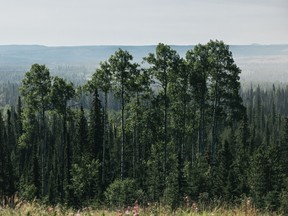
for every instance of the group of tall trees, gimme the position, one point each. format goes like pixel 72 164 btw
pixel 179 128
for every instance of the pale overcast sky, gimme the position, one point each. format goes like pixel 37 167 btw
pixel 139 22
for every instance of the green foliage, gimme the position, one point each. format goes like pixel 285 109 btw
pixel 28 191
pixel 266 177
pixel 2 152
pixel 84 181
pixel 222 180
pixel 81 146
pixel 174 128
pixel 198 177
pixel 101 79
pixel 171 191
pixel 156 179
pixel 123 192
pixel 36 87
pixel 61 93
pixel 283 197
pixel 122 70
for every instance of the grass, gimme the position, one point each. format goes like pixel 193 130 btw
pixel 34 208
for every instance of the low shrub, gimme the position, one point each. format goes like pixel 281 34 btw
pixel 123 193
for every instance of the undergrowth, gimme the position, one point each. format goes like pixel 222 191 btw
pixel 246 208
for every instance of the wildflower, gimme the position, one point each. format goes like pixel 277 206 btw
pixel 50 210
pixel 119 213
pixel 78 213
pixel 187 200
pixel 248 202
pixel 127 212
pixel 194 207
pixel 136 208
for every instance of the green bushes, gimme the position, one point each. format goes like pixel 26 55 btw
pixel 84 182
pixel 123 192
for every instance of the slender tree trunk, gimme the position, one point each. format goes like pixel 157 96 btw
pixel 201 135
pixel 69 155
pixel 123 129
pixel 201 130
pixel 183 137
pixel 63 155
pixel 135 139
pixel 2 158
pixel 214 126
pixel 43 153
pixel 165 129
pixel 104 138
pixel 137 132
pixel 133 154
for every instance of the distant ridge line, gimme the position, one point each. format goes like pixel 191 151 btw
pixel 26 55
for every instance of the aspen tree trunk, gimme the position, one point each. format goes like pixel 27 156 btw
pixel 63 154
pixel 214 126
pixel 43 155
pixel 104 138
pixel 165 128
pixel 123 129
pixel 201 133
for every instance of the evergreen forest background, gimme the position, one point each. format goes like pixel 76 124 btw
pixel 157 130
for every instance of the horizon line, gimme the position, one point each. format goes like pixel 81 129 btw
pixel 137 45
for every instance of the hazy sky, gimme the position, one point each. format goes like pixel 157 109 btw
pixel 139 22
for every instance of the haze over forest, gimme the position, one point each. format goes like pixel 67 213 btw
pixel 258 62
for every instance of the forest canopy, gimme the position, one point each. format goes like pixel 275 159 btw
pixel 159 131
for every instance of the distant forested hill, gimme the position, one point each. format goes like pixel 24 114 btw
pixel 258 62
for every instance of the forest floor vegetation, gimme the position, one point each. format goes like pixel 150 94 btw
pixel 36 208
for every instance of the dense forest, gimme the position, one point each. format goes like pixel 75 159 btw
pixel 159 131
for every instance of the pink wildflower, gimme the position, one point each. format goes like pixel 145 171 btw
pixel 128 210
pixel 78 213
pixel 119 213
pixel 136 208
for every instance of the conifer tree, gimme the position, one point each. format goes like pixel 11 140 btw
pixel 101 80
pixel 81 145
